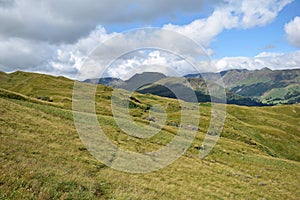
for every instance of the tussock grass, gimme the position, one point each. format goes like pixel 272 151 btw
pixel 42 156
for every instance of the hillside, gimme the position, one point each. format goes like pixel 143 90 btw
pixel 268 86
pixel 244 87
pixel 166 87
pixel 42 156
pixel 109 81
pixel 39 86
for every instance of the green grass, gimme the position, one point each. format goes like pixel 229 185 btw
pixel 278 95
pixel 42 156
pixel 253 80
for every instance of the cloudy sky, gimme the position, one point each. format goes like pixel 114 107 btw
pixel 57 37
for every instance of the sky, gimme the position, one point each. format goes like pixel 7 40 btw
pixel 60 37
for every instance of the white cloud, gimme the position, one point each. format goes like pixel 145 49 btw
pixel 134 48
pixel 148 61
pixel 16 53
pixel 292 30
pixel 204 31
pixel 63 59
pixel 265 59
pixel 59 40
pixel 232 14
pixel 157 61
pixel 153 61
pixel 70 57
pixel 259 13
pixel 66 21
pixel 268 55
pixel 173 66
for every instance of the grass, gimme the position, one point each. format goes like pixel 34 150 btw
pixel 278 95
pixel 42 156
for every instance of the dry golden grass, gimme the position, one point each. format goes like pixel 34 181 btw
pixel 42 156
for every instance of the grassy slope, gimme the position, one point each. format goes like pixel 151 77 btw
pixel 31 84
pixel 42 156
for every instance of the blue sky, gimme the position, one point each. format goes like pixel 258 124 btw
pixel 56 37
pixel 234 42
pixel 250 42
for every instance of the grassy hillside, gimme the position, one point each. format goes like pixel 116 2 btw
pixel 42 157
pixel 39 86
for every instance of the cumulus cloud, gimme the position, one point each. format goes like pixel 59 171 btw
pixel 70 57
pixel 265 59
pixel 57 36
pixel 149 61
pixel 67 21
pixel 259 13
pixel 292 30
pixel 40 56
pixel 17 53
pixel 203 31
pixel 126 51
pixel 171 65
pixel 231 14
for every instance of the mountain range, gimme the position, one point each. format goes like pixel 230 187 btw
pixel 243 87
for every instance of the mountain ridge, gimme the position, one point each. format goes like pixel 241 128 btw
pixel 243 87
pixel 264 86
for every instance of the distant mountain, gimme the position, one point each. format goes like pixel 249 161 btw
pixel 265 85
pixel 244 87
pixel 108 81
pixel 135 82
pixel 271 87
pixel 140 80
pixel 174 87
pixel 191 90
